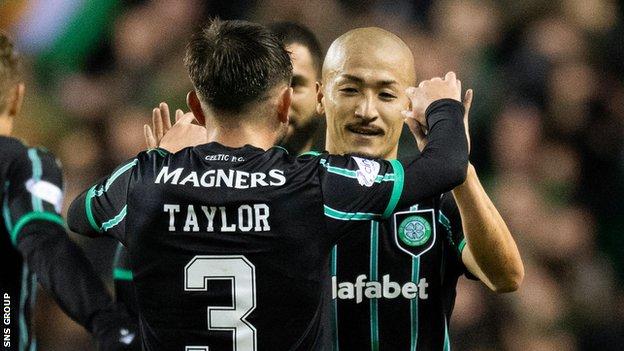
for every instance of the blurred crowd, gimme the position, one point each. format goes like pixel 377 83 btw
pixel 546 124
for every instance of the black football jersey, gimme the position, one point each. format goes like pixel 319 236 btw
pixel 393 280
pixel 30 190
pixel 229 247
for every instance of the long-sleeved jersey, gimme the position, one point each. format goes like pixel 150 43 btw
pixel 393 280
pixel 229 247
pixel 34 247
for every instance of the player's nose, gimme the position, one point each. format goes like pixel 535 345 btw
pixel 366 109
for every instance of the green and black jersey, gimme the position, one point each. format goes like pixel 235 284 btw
pixel 34 246
pixel 393 280
pixel 229 247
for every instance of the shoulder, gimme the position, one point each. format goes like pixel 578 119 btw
pixel 12 148
pixel 21 159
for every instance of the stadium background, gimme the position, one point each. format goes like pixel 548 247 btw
pixel 547 131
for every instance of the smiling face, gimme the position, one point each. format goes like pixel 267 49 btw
pixel 365 75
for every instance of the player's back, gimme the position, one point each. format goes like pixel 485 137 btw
pixel 211 230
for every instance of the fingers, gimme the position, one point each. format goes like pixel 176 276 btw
pixel 450 76
pixel 182 118
pixel 468 100
pixel 166 118
pixel 157 123
pixel 178 115
pixel 150 141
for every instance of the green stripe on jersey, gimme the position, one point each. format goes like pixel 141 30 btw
pixel 31 216
pixel 6 211
pixel 414 302
pixel 37 204
pixel 444 221
pixel 374 321
pixel 414 305
pixel 310 153
pixel 117 174
pixel 115 220
pixel 348 216
pixel 397 188
pixel 334 265
pixel 461 246
pixel 161 152
pixel 447 340
pixel 122 274
pixel 89 209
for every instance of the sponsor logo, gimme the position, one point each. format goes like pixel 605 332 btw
pixel 386 289
pixel 367 171
pixel 216 178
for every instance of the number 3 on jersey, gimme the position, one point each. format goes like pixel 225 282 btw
pixel 242 274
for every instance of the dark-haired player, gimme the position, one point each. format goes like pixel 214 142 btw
pixel 306 127
pixel 34 246
pixel 229 240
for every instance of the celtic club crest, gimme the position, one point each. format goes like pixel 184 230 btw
pixel 415 231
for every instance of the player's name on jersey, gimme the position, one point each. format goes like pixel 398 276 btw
pixel 386 289
pixel 244 218
pixel 215 178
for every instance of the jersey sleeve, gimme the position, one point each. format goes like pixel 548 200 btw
pixel 123 278
pixel 101 210
pixel 34 191
pixel 357 189
pixel 450 219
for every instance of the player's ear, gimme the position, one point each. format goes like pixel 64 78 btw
pixel 320 109
pixel 192 100
pixel 16 100
pixel 283 105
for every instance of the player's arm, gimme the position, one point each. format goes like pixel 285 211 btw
pixel 123 279
pixel 490 252
pixel 34 199
pixel 101 209
pixel 371 189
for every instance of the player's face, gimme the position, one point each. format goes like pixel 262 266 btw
pixel 302 113
pixel 363 101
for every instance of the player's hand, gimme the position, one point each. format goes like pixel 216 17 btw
pixel 173 138
pixel 184 133
pixel 420 131
pixel 161 123
pixel 429 91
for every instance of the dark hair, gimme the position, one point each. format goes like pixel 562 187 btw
pixel 294 33
pixel 235 63
pixel 10 67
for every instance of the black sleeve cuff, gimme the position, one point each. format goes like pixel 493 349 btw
pixel 443 108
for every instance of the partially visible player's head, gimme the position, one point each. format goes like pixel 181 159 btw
pixel 241 74
pixel 306 56
pixel 364 77
pixel 11 85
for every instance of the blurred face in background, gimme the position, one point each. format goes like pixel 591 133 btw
pixel 303 117
pixel 363 93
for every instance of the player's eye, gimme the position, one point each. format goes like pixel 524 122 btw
pixel 348 91
pixel 387 96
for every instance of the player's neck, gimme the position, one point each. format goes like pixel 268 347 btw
pixel 243 135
